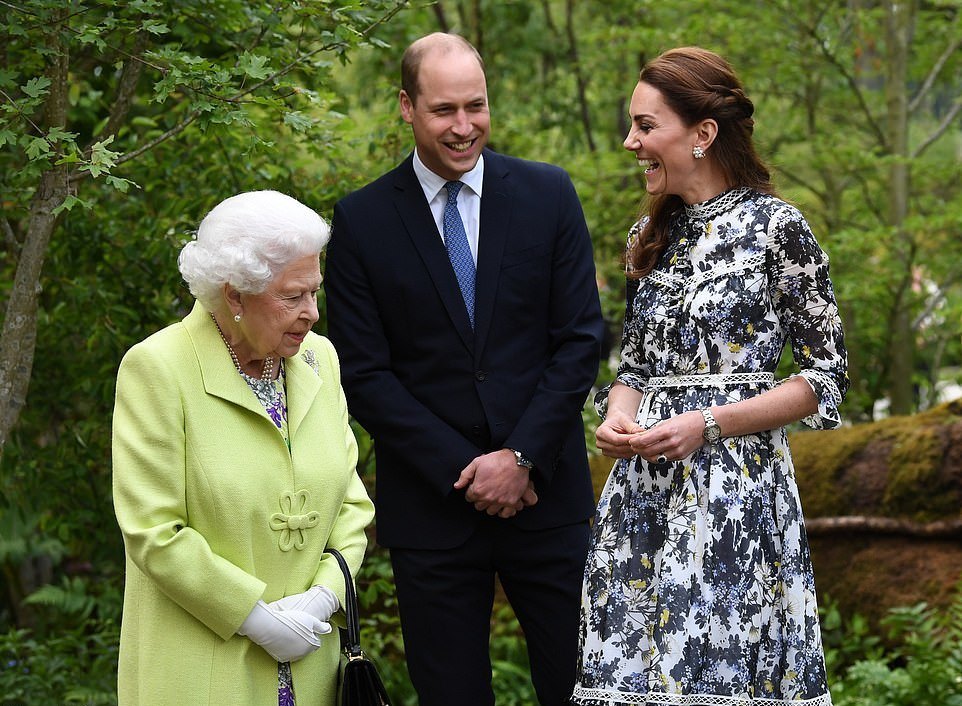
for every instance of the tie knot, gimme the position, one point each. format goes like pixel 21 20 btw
pixel 453 188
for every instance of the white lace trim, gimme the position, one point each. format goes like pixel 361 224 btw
pixel 715 206
pixel 713 380
pixel 665 279
pixel 615 698
pixel 737 266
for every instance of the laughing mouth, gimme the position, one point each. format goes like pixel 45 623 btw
pixel 649 165
pixel 461 146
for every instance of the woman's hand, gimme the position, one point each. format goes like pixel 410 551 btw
pixel 286 635
pixel 615 433
pixel 319 601
pixel 674 438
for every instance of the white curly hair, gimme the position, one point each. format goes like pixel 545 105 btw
pixel 246 240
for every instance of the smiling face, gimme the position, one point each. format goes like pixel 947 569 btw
pixel 275 322
pixel 450 119
pixel 663 146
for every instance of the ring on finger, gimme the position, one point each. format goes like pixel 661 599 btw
pixel 661 459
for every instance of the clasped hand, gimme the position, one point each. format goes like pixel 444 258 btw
pixel 288 628
pixel 494 483
pixel 620 436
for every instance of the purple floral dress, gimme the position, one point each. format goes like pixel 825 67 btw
pixel 698 587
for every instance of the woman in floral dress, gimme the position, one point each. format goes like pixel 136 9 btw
pixel 698 587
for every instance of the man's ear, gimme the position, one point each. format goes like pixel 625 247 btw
pixel 407 106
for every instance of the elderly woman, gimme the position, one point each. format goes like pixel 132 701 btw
pixel 234 471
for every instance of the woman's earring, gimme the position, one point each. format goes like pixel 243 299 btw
pixel 697 152
pixel 237 318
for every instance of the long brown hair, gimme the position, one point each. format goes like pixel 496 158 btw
pixel 698 84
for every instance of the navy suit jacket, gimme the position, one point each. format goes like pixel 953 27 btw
pixel 433 393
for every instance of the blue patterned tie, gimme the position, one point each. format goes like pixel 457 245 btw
pixel 456 242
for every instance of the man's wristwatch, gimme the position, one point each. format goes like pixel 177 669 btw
pixel 523 460
pixel 712 431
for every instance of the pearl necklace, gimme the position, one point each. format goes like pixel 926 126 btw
pixel 267 368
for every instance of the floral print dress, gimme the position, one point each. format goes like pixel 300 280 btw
pixel 698 587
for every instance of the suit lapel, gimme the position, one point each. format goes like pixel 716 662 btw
pixel 496 201
pixel 419 224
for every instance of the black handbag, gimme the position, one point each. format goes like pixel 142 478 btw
pixel 358 683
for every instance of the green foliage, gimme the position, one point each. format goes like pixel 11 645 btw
pixel 71 655
pixel 923 667
pixel 75 666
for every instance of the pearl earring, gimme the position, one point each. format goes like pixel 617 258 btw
pixel 237 318
pixel 697 152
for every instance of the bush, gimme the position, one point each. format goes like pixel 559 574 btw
pixel 923 669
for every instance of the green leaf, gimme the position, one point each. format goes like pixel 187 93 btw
pixel 155 27
pixel 298 121
pixel 69 203
pixel 253 65
pixel 36 87
pixel 38 148
pixel 122 185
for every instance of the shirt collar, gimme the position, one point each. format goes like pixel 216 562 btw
pixel 431 183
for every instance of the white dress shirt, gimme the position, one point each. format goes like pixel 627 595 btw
pixel 469 199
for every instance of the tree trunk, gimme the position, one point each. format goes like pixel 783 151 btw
pixel 902 343
pixel 18 339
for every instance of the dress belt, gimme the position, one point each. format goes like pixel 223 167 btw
pixel 713 380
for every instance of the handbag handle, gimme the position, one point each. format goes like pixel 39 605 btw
pixel 352 645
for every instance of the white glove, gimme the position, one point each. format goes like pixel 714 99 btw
pixel 287 636
pixel 319 601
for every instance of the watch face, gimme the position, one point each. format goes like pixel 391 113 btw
pixel 712 433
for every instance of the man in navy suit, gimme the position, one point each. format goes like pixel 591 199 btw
pixel 462 299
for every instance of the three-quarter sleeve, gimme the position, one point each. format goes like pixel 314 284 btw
pixel 804 299
pixel 630 370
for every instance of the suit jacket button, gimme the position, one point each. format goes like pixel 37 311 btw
pixel 480 375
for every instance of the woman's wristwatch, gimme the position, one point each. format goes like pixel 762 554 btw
pixel 712 431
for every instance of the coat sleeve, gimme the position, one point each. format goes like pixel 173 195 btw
pixel 378 399
pixel 149 490
pixel 575 328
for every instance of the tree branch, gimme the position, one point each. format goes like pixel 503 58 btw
pixel 933 74
pixel 194 114
pixel 941 529
pixel 579 74
pixel 940 130
pixel 10 236
pixel 126 89
pixel 850 80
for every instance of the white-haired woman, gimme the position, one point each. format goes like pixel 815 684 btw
pixel 234 471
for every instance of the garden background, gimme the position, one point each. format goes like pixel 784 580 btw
pixel 123 123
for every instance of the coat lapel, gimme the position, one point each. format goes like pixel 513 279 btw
pixel 217 369
pixel 303 384
pixel 221 378
pixel 416 217
pixel 496 201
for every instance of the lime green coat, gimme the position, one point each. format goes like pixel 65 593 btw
pixel 216 514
